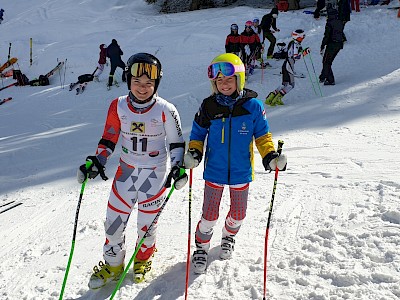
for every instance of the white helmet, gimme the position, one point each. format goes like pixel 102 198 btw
pixel 298 35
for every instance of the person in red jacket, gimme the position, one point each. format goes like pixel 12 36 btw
pixel 232 43
pixel 102 61
pixel 249 44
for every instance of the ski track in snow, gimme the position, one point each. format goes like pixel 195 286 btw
pixel 335 231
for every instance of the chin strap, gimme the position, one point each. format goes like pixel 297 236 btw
pixel 141 105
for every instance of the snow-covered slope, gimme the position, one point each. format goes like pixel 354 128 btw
pixel 336 219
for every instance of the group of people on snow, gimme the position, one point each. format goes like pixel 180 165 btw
pixel 154 155
pixel 249 45
pixel 153 158
pixel 113 52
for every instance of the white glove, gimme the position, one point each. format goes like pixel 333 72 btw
pixel 179 179
pixel 192 158
pixel 82 173
pixel 94 169
pixel 279 162
pixel 273 160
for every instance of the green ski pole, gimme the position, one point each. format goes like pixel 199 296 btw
pixel 88 164
pixel 181 172
pixel 316 79
pixel 309 76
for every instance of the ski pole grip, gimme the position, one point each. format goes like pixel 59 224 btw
pixel 182 171
pixel 88 164
pixel 280 145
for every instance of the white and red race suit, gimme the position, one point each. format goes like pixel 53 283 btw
pixel 151 139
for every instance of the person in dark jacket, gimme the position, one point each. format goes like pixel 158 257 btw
pixel 232 43
pixel 331 44
pixel 1 15
pixel 268 21
pixel 344 10
pixel 114 52
pixel 320 6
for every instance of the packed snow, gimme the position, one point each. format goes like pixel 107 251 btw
pixel 335 231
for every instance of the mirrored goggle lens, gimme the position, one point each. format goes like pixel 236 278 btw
pixel 225 68
pixel 139 69
pixel 234 27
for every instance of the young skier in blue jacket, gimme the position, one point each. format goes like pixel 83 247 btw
pixel 226 125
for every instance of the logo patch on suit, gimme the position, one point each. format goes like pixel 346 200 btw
pixel 137 127
pixel 243 129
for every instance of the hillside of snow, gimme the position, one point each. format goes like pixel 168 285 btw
pixel 336 220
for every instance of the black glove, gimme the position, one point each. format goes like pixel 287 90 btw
pixel 95 169
pixel 274 160
pixel 179 179
pixel 192 158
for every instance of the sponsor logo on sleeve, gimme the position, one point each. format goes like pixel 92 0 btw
pixel 178 127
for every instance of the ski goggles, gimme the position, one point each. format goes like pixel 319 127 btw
pixel 234 27
pixel 151 71
pixel 225 68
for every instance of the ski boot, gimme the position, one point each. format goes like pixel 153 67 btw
pixel 108 87
pixel 269 98
pixel 277 99
pixel 116 83
pixel 96 78
pixel 327 82
pixel 141 268
pixel 227 247
pixel 106 274
pixel 199 261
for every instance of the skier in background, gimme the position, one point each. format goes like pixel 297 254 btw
pixel 344 11
pixel 152 145
pixel 294 53
pixel 232 42
pixel 1 15
pixel 250 44
pixel 102 61
pixel 114 52
pixel 331 44
pixel 257 29
pixel 320 6
pixel 230 116
pixel 268 21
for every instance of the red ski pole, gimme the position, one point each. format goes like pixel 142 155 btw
pixel 189 233
pixel 280 144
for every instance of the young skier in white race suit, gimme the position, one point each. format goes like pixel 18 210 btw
pixel 152 144
pixel 294 52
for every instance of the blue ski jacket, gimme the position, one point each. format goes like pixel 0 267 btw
pixel 229 135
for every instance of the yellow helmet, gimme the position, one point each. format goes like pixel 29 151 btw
pixel 233 66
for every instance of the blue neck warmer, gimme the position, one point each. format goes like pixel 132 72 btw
pixel 227 100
